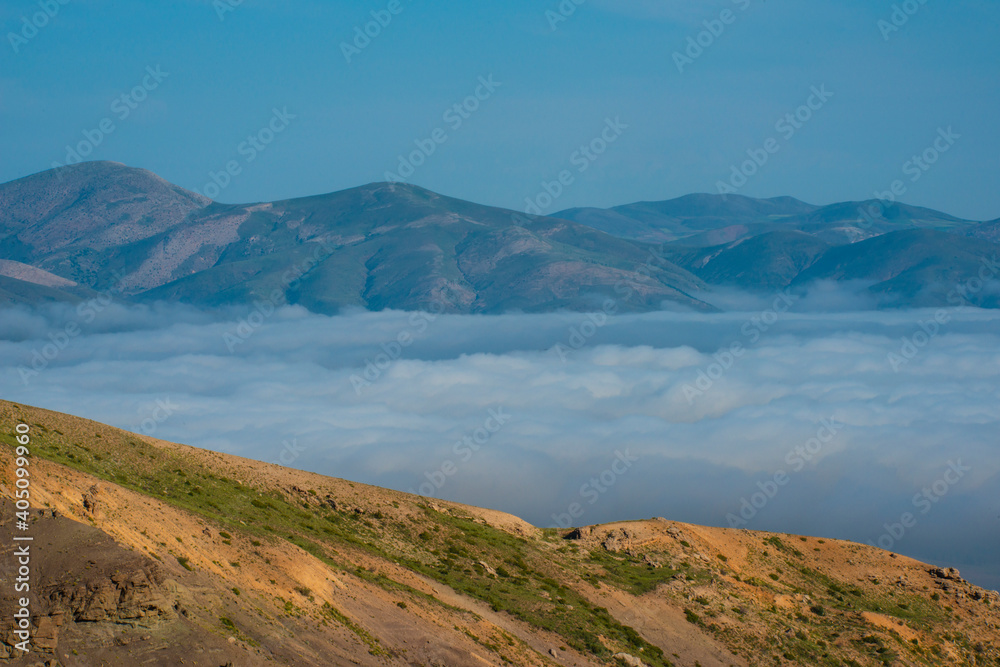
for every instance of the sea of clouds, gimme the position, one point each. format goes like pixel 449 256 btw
pixel 874 426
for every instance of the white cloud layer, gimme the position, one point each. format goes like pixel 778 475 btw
pixel 707 423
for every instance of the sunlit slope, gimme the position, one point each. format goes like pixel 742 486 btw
pixel 288 567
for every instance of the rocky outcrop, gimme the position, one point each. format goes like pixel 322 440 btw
pixel 82 576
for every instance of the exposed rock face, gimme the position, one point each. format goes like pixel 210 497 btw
pixel 81 575
pixel 948 573
pixel 629 660
pixel 90 499
pixel 123 596
pixel 618 540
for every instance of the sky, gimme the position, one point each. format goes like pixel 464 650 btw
pixel 331 110
pixel 814 429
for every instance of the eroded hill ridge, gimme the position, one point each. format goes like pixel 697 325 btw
pixel 154 553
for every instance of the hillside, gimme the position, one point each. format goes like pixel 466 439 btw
pixel 769 261
pixel 686 216
pixel 918 267
pixel 106 228
pixel 110 227
pixel 988 231
pixel 149 552
pixel 708 220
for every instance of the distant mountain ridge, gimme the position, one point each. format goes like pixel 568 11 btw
pixel 103 226
pixel 704 219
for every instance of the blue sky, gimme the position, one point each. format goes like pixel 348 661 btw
pixel 609 59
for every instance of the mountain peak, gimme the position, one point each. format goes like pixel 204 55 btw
pixel 91 204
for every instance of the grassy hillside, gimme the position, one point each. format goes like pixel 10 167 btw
pixel 287 567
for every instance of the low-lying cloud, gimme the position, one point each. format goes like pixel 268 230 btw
pixel 792 421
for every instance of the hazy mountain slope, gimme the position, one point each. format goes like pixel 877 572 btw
pixel 383 246
pixel 61 220
pixel 114 229
pixel 27 285
pixel 377 246
pixel 279 566
pixel 28 273
pixel 22 292
pixel 708 220
pixel 848 222
pixel 913 267
pixel 685 216
pixel 988 231
pixel 765 262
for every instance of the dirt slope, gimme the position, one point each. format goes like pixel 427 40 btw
pixel 148 552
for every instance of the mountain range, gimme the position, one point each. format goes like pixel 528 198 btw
pixel 148 552
pixel 103 227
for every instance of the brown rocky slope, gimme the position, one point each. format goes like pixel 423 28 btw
pixel 152 553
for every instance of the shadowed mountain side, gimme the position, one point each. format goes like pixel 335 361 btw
pixel 15 292
pixel 766 262
pixel 685 216
pixel 916 268
pixel 988 231
pixel 709 220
